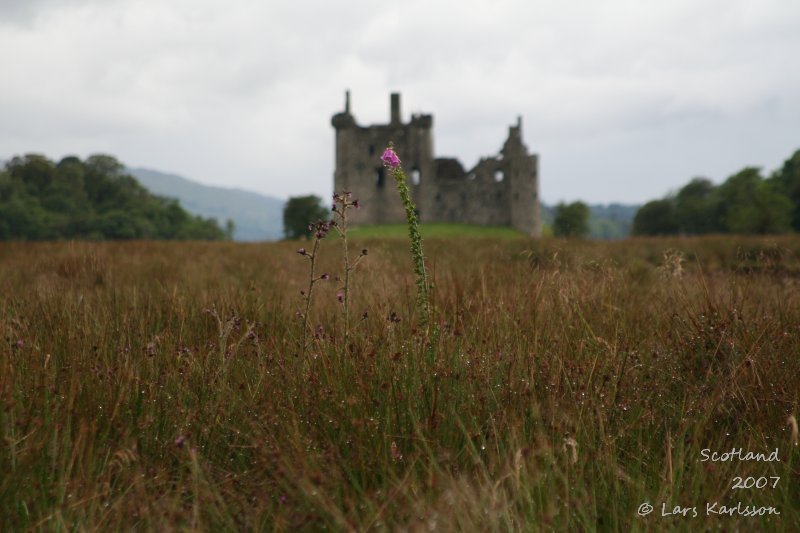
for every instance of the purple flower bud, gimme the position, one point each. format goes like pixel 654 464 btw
pixel 364 251
pixel 390 158
pixel 180 440
pixel 301 251
pixel 340 296
pixel 357 204
pixel 325 276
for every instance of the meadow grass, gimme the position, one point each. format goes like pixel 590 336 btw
pixel 435 230
pixel 162 386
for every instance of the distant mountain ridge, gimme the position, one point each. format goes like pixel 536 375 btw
pixel 606 222
pixel 257 217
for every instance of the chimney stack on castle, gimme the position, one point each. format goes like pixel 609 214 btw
pixel 395 104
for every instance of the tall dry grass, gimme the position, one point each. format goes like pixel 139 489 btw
pixel 159 387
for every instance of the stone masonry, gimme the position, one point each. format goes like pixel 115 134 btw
pixel 501 190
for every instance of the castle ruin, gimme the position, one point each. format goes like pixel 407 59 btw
pixel 501 190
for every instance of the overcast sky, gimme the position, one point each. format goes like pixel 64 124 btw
pixel 623 100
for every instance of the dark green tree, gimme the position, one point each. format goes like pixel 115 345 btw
pixel 696 209
pixel 656 218
pixel 571 220
pixel 35 172
pixel 787 181
pixel 748 204
pixel 299 212
pixel 94 199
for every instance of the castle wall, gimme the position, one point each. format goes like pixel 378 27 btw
pixel 474 197
pixel 498 191
pixel 359 168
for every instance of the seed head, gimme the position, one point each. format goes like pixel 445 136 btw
pixel 321 228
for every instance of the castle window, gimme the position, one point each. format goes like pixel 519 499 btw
pixel 379 177
pixel 415 176
pixel 371 149
pixel 499 176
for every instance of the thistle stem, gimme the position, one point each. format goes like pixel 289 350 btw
pixel 311 280
pixel 346 277
pixel 423 289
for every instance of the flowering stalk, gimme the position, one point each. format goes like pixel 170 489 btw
pixel 341 203
pixel 392 162
pixel 320 229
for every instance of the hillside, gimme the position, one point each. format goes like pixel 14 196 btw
pixel 257 217
pixel 612 221
pixel 606 222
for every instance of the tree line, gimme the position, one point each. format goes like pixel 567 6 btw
pixel 746 203
pixel 90 199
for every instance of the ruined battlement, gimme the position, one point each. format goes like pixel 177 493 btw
pixel 501 190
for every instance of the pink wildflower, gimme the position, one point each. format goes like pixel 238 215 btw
pixel 390 158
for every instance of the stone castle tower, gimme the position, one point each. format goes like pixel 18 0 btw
pixel 501 190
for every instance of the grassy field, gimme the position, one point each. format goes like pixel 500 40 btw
pixel 162 386
pixel 392 231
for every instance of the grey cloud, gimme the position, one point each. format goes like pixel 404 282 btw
pixel 241 93
pixel 25 11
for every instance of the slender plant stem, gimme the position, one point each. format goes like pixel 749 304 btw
pixel 346 278
pixel 423 289
pixel 311 281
